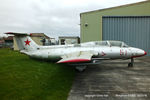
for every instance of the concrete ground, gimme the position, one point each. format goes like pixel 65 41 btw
pixel 112 80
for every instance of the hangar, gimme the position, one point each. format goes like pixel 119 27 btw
pixel 129 23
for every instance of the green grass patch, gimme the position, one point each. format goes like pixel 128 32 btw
pixel 22 78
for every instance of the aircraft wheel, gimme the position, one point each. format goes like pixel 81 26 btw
pixel 130 64
pixel 80 68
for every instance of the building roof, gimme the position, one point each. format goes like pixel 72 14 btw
pixel 69 37
pixel 117 7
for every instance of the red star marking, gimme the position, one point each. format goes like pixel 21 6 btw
pixel 27 42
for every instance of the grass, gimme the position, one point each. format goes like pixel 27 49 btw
pixel 22 78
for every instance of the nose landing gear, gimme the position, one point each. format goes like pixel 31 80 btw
pixel 131 63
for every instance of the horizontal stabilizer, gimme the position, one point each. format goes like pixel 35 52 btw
pixel 18 34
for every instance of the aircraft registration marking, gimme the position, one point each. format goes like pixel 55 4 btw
pixel 122 52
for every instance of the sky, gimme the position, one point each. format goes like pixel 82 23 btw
pixel 52 17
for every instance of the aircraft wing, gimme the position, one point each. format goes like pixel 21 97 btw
pixel 77 57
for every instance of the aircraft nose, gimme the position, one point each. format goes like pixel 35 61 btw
pixel 145 53
pixel 141 52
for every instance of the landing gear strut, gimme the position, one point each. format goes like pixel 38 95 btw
pixel 131 63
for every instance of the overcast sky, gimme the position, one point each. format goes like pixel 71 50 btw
pixel 53 17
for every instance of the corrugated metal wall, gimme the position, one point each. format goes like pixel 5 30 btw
pixel 134 30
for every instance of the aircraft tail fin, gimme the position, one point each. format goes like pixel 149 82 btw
pixel 24 41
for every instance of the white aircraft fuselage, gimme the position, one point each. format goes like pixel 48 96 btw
pixel 56 52
pixel 78 53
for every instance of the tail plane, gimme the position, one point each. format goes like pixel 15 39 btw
pixel 24 41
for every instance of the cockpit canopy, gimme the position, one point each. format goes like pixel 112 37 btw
pixel 105 43
pixel 117 43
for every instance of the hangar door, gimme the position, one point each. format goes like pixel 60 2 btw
pixel 134 30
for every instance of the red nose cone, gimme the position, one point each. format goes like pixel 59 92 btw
pixel 145 53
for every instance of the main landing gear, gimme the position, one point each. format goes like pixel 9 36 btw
pixel 80 68
pixel 131 63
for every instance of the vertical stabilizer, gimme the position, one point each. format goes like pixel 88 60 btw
pixel 24 41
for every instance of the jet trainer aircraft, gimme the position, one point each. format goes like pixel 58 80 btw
pixel 79 55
